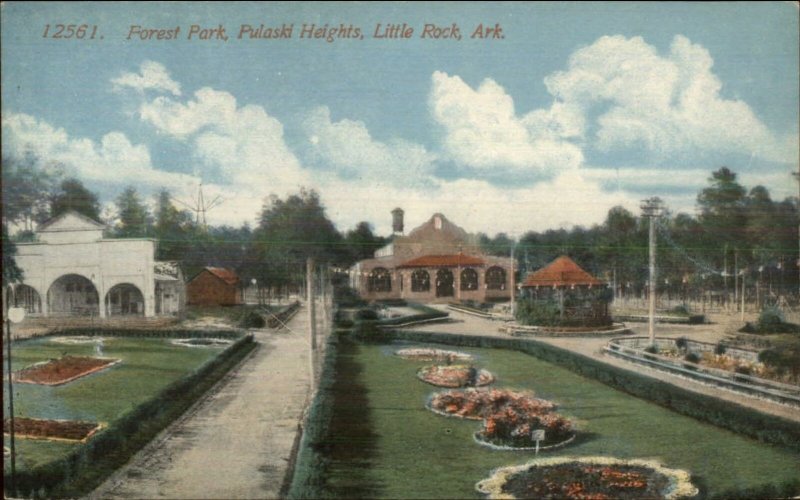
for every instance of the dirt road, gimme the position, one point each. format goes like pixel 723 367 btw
pixel 236 443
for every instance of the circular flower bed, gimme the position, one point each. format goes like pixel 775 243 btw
pixel 201 342
pixel 76 339
pixel 476 404
pixel 425 354
pixel 511 428
pixel 588 477
pixel 455 376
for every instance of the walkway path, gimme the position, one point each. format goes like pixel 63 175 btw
pixel 237 442
pixel 466 324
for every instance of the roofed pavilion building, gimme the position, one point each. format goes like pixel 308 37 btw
pixel 563 294
pixel 437 262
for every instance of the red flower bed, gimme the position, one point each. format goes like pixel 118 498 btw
pixel 62 370
pixel 455 376
pixel 35 428
pixel 586 481
pixel 588 477
pixel 477 404
pixel 514 428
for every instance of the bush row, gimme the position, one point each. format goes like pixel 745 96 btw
pixel 766 428
pixel 90 463
pixel 310 463
pixel 277 319
pixel 165 333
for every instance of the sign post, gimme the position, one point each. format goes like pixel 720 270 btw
pixel 537 435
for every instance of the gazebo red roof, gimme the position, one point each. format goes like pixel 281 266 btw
pixel 561 272
pixel 444 261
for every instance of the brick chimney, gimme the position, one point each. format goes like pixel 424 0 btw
pixel 397 221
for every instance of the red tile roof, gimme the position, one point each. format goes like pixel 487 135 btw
pixel 561 272
pixel 444 261
pixel 226 275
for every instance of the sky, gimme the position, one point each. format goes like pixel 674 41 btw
pixel 506 117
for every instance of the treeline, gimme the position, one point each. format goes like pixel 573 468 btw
pixel 736 231
pixel 273 253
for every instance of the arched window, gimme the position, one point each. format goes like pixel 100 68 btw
pixel 496 278
pixel 444 283
pixel 380 280
pixel 469 279
pixel 420 281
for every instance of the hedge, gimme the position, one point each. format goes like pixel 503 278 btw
pixel 746 421
pixel 310 464
pixel 90 463
pixel 274 320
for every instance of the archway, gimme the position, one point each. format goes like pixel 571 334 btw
pixel 380 280
pixel 444 283
pixel 420 281
pixel 27 298
pixel 469 279
pixel 496 278
pixel 124 300
pixel 73 295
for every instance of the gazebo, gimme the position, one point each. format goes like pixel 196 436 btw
pixel 563 294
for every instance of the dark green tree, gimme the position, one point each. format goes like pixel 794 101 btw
pixel 289 231
pixel 26 189
pixel 361 242
pixel 73 195
pixel 11 272
pixel 134 217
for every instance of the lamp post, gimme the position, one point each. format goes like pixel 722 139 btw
pixel 14 315
pixel 651 208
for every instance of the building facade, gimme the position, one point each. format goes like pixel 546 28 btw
pixel 72 270
pixel 214 286
pixel 436 262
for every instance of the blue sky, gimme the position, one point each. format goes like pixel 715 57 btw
pixel 579 107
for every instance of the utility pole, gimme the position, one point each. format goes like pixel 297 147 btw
pixel 312 321
pixel 651 208
pixel 513 285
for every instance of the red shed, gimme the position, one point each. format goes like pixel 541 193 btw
pixel 214 286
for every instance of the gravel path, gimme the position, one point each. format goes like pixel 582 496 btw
pixel 235 443
pixel 466 324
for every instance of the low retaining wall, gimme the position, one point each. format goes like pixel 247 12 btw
pixel 632 349
pixel 516 330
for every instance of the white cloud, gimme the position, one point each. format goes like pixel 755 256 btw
pixel 241 146
pixel 669 105
pixel 151 76
pixel 112 160
pixel 348 148
pixel 483 131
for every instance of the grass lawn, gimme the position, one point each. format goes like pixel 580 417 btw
pixel 147 367
pixel 409 452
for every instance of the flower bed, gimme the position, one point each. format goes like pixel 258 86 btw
pixel 455 376
pixel 62 370
pixel 588 477
pixel 513 429
pixel 63 430
pixel 477 404
pixel 424 354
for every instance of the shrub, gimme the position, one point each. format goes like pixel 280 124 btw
pixel 649 350
pixel 251 319
pixel 720 349
pixel 681 310
pixel 770 318
pixel 682 343
pixel 367 314
pixel 691 357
